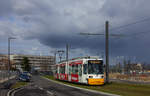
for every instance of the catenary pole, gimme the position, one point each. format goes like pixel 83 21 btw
pixel 107 51
pixel 106 46
pixel 9 65
pixel 67 55
pixel 8 58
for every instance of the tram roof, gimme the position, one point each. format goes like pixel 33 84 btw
pixel 84 57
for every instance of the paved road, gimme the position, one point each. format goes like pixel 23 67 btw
pixel 32 90
pixel 5 86
pixel 3 92
pixel 54 88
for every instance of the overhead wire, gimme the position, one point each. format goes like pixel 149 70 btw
pixel 126 25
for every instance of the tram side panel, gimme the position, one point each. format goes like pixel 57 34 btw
pixel 62 74
pixel 69 71
pixel 75 71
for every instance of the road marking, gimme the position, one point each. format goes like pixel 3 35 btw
pixel 13 91
pixel 46 91
pixel 102 93
pixel 49 92
pixel 41 88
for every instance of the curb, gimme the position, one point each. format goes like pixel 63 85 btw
pixel 94 91
pixel 12 91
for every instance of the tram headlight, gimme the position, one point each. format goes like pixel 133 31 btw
pixel 102 76
pixel 90 76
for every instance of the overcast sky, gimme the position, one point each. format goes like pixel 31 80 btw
pixel 41 26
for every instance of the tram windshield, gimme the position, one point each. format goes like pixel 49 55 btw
pixel 95 67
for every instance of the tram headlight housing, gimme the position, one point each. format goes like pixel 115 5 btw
pixel 90 76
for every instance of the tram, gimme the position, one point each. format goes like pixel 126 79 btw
pixel 85 70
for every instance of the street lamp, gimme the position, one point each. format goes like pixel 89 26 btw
pixel 55 53
pixel 9 38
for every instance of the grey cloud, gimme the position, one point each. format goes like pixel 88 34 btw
pixel 6 7
pixel 57 22
pixel 56 30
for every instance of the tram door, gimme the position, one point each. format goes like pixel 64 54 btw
pixel 70 72
pixel 80 72
pixel 85 73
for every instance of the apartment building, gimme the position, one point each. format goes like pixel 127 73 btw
pixel 39 63
pixel 4 62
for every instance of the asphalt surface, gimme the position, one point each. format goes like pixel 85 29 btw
pixel 32 90
pixel 3 92
pixel 43 87
pixel 5 87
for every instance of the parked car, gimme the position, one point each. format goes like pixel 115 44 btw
pixel 27 73
pixel 24 77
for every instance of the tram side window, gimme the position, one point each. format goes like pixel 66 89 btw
pixel 70 69
pixel 80 69
pixel 76 69
pixel 62 69
pixel 59 69
pixel 85 68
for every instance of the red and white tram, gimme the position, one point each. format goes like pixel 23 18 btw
pixel 87 70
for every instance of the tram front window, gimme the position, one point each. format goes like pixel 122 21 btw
pixel 95 67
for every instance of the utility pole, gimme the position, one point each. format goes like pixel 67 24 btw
pixel 55 57
pixel 107 50
pixel 67 52
pixel 9 56
pixel 67 55
pixel 55 54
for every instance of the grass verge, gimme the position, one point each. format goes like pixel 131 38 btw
pixel 19 84
pixel 122 89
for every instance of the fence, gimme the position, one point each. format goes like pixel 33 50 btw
pixel 131 77
pixel 4 75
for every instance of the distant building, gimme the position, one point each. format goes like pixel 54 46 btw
pixel 133 68
pixel 4 63
pixel 39 63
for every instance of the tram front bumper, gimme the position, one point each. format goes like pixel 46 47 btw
pixel 96 81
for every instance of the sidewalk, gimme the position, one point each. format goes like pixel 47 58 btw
pixel 6 79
